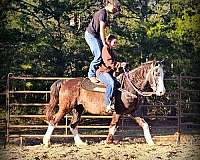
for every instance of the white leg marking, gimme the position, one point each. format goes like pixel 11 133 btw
pixel 77 138
pixel 112 130
pixel 147 134
pixel 47 136
pixel 74 131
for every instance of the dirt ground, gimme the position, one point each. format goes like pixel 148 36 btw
pixel 189 149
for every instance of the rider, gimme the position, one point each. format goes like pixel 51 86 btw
pixel 95 34
pixel 106 70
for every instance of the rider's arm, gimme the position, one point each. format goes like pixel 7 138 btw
pixel 102 32
pixel 107 59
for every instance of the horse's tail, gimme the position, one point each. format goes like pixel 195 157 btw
pixel 54 96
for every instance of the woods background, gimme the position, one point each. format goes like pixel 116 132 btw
pixel 46 37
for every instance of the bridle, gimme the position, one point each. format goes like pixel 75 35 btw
pixel 149 75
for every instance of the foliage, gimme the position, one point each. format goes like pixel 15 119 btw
pixel 46 38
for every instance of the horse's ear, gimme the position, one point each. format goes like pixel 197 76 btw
pixel 160 63
pixel 155 62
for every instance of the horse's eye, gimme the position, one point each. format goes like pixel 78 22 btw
pixel 157 73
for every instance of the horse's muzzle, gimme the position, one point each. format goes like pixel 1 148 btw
pixel 161 92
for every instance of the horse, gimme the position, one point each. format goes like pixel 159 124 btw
pixel 73 98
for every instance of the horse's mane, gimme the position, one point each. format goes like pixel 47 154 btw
pixel 142 67
pixel 137 75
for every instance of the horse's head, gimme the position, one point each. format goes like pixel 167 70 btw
pixel 148 73
pixel 155 78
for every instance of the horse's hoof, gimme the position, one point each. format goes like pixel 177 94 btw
pixel 109 140
pixel 47 145
pixel 151 143
pixel 46 142
pixel 82 144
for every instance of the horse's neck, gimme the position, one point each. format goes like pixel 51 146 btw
pixel 138 77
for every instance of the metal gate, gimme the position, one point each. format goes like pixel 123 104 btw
pixel 21 99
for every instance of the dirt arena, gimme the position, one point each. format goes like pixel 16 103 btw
pixel 189 149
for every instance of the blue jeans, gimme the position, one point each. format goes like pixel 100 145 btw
pixel 96 46
pixel 109 81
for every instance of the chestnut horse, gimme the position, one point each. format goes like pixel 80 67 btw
pixel 72 97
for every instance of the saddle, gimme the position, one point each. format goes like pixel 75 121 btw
pixel 99 87
pixel 95 87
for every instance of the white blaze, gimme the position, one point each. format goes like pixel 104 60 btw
pixel 160 84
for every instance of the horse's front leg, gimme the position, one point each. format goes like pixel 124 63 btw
pixel 142 123
pixel 112 128
pixel 77 111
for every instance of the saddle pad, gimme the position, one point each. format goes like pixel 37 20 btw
pixel 96 87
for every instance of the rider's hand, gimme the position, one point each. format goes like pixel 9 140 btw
pixel 123 64
pixel 105 44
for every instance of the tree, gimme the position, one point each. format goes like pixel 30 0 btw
pixel 46 38
pixel 174 32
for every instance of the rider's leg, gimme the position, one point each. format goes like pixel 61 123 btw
pixel 95 45
pixel 107 79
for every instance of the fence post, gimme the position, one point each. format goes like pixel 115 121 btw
pixel 7 106
pixel 179 108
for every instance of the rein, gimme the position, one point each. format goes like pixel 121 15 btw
pixel 145 94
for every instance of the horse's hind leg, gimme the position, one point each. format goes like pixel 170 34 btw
pixel 77 111
pixel 51 126
pixel 112 128
pixel 142 123
pixel 47 136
